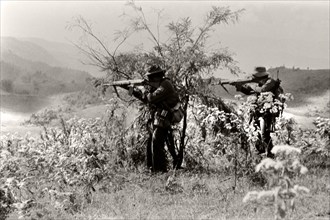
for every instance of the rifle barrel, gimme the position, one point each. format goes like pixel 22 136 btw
pixel 126 82
pixel 239 81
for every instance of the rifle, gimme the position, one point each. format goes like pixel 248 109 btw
pixel 128 85
pixel 238 82
pixel 234 82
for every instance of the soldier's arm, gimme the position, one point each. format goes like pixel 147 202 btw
pixel 137 93
pixel 161 93
pixel 267 87
pixel 246 89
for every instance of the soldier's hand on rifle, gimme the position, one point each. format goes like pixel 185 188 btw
pixel 138 93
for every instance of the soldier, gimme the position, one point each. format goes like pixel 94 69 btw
pixel 266 119
pixel 163 100
pixel 163 97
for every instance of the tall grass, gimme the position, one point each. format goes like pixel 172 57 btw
pixel 94 169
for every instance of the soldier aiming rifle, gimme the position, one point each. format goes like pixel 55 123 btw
pixel 165 109
pixel 265 119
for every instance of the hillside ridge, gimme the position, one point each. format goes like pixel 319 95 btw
pixel 27 50
pixel 59 54
pixel 29 69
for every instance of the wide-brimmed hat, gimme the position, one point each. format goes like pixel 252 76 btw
pixel 261 73
pixel 155 71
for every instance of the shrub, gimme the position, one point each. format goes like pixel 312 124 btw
pixel 44 117
pixel 64 165
pixel 282 191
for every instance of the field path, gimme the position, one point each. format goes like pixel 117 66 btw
pixel 305 115
pixel 302 120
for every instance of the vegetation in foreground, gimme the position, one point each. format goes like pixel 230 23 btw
pixel 91 169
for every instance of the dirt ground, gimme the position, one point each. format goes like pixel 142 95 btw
pixel 315 107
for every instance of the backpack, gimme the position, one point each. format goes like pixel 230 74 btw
pixel 177 113
pixel 278 89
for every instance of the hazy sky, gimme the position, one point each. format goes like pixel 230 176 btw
pixel 269 33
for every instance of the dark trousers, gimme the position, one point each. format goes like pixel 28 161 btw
pixel 265 143
pixel 156 155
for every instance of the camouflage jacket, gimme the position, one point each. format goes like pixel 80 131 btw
pixel 164 98
pixel 271 85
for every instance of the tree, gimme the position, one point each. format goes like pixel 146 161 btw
pixel 184 55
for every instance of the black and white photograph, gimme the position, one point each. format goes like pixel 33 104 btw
pixel 166 109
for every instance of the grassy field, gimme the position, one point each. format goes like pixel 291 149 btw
pixel 186 195
pixel 199 196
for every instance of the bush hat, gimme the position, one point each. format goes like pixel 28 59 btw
pixel 155 72
pixel 261 73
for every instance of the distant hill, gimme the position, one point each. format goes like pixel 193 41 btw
pixel 67 54
pixel 58 54
pixel 303 83
pixel 28 68
pixel 27 50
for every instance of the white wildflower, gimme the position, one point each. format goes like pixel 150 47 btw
pixel 267 105
pixel 252 99
pixel 301 189
pixel 228 126
pixel 11 182
pixel 265 164
pixel 251 196
pixel 274 109
pixel 303 170
pixel 5 154
pixel 286 149
pixel 266 195
pixel 296 164
pixel 238 97
pixel 240 112
pixel 278 165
